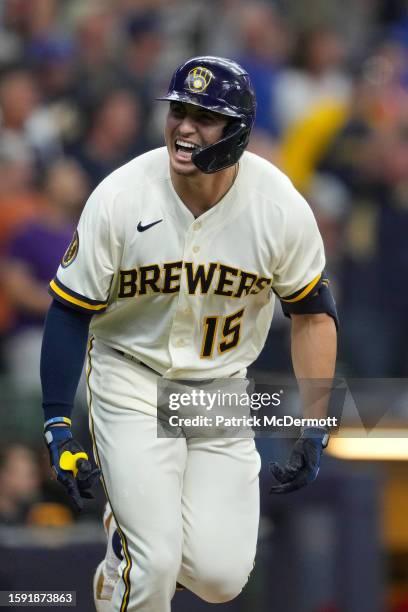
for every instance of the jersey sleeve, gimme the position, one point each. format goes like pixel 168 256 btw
pixel 84 277
pixel 302 258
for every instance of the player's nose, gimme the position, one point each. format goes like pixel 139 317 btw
pixel 187 125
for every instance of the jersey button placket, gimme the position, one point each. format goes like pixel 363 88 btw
pixel 191 239
pixel 181 327
pixel 182 332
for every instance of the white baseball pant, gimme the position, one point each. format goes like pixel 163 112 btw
pixel 188 510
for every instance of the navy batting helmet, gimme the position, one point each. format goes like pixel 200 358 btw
pixel 222 86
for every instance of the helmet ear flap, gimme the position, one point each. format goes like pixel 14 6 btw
pixel 235 127
pixel 230 126
pixel 224 153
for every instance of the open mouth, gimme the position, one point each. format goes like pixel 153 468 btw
pixel 185 148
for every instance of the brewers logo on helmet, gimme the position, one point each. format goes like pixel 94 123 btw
pixel 199 79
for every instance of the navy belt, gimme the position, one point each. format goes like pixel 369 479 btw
pixel 136 360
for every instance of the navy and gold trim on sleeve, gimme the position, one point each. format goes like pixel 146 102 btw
pixel 301 293
pixel 315 298
pixel 65 295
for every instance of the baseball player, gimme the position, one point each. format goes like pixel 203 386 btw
pixel 174 268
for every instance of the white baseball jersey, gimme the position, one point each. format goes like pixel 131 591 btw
pixel 191 298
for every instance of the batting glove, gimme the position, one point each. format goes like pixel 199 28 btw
pixel 71 464
pixel 304 462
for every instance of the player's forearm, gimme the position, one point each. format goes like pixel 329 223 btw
pixel 314 347
pixel 62 357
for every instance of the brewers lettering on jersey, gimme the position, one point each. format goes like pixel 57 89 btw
pixel 175 267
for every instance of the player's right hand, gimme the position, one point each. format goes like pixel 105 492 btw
pixel 71 464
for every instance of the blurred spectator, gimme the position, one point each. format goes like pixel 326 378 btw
pixel 31 259
pixel 19 202
pixel 143 68
pixel 186 25
pixel 264 51
pixel 24 122
pixel 144 47
pixel 30 19
pixel 20 483
pixel 222 35
pixel 97 29
pixel 317 76
pixel 54 61
pixel 18 99
pixel 11 45
pixel 312 99
pixel 27 497
pixel 394 14
pixel 358 20
pixel 19 197
pixel 114 136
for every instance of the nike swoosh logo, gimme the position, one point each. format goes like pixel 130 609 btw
pixel 143 228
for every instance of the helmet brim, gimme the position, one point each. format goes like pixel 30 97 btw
pixel 202 101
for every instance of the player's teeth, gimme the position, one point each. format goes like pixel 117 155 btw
pixel 186 145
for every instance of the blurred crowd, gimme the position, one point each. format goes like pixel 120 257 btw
pixel 77 87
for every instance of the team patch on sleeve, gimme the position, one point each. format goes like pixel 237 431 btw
pixel 77 301
pixel 71 252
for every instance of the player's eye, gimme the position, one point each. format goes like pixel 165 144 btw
pixel 177 110
pixel 206 119
pixel 208 116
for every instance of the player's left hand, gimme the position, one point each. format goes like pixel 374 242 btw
pixel 71 464
pixel 304 462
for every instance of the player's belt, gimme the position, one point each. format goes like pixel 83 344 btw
pixel 135 360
